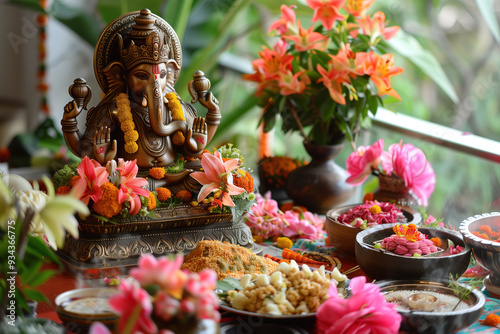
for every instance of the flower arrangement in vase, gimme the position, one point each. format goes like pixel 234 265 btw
pixel 403 172
pixel 324 79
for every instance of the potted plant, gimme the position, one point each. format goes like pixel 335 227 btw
pixel 323 81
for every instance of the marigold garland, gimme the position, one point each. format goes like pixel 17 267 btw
pixel 127 123
pixel 109 205
pixel 177 115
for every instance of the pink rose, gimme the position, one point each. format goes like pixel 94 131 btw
pixel 365 311
pixel 360 163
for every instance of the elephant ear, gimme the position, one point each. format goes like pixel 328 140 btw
pixel 115 77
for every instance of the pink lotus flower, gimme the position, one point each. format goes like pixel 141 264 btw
pixel 366 311
pixel 286 20
pixel 410 164
pixel 297 226
pixel 92 177
pixel 217 175
pixel 132 299
pixel 363 161
pixel 130 185
pixel 326 11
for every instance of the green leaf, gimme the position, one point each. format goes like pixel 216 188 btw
pixel 371 185
pixel 34 294
pixel 111 9
pixel 38 246
pixel 408 47
pixel 42 277
pixel 229 283
pixel 489 15
pixel 30 273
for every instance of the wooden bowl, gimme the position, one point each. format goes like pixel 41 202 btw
pixel 381 265
pixel 343 237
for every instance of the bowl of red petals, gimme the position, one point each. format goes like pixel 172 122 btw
pixel 345 222
pixel 482 233
pixel 405 251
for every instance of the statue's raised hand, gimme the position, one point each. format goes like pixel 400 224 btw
pixel 197 136
pixel 71 110
pixel 104 150
pixel 209 101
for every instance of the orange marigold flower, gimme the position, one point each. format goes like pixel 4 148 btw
pixel 481 235
pixel 244 180
pixel 185 195
pixel 437 242
pixel 276 169
pixel 491 320
pixel 203 152
pixel 63 190
pixel 74 180
pixel 157 172
pixel 368 197
pixel 190 158
pixel 109 205
pixel 151 201
pixel 163 194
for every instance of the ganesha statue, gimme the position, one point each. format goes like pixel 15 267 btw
pixel 141 119
pixel 137 62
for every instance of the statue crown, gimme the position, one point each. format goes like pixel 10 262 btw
pixel 147 43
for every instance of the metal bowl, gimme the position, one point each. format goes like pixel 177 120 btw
pixel 343 237
pixel 435 322
pixel 379 264
pixel 486 252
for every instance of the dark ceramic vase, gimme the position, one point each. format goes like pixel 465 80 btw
pixel 393 190
pixel 320 185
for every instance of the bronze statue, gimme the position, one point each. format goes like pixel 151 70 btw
pixel 137 62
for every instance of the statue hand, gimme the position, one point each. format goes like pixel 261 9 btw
pixel 104 151
pixel 197 137
pixel 209 101
pixel 71 110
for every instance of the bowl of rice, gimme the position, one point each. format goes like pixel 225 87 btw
pixel 345 222
pixel 451 314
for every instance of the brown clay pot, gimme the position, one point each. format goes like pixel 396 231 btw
pixel 392 189
pixel 320 185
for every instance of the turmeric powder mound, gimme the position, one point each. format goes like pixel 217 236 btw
pixel 227 260
pixel 108 206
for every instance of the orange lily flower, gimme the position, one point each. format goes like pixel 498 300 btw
pixel 287 19
pixel 333 78
pixel 358 7
pixel 380 69
pixel 326 11
pixel 290 84
pixel 350 61
pixel 375 26
pixel 308 39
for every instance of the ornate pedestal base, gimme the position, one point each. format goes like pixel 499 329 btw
pixel 103 251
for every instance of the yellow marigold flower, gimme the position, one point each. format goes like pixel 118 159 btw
pixel 151 201
pixel 127 126
pixel 63 190
pixel 122 97
pixel 178 138
pixel 177 115
pixel 157 172
pixel 185 195
pixel 284 242
pixel 163 194
pixel 375 209
pixel 122 117
pixel 74 179
pixel 108 206
pixel 131 136
pixel 131 147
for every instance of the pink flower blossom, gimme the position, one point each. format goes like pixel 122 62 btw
pixel 130 185
pixel 162 271
pixel 166 307
pixel 126 303
pixel 326 11
pixel 264 218
pixel 298 226
pixel 363 161
pixel 286 20
pixel 217 175
pixel 366 311
pixel 98 328
pixel 92 177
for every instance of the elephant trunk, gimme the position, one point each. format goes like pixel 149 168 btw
pixel 157 111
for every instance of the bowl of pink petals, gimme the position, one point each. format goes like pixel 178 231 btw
pixel 345 222
pixel 405 251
